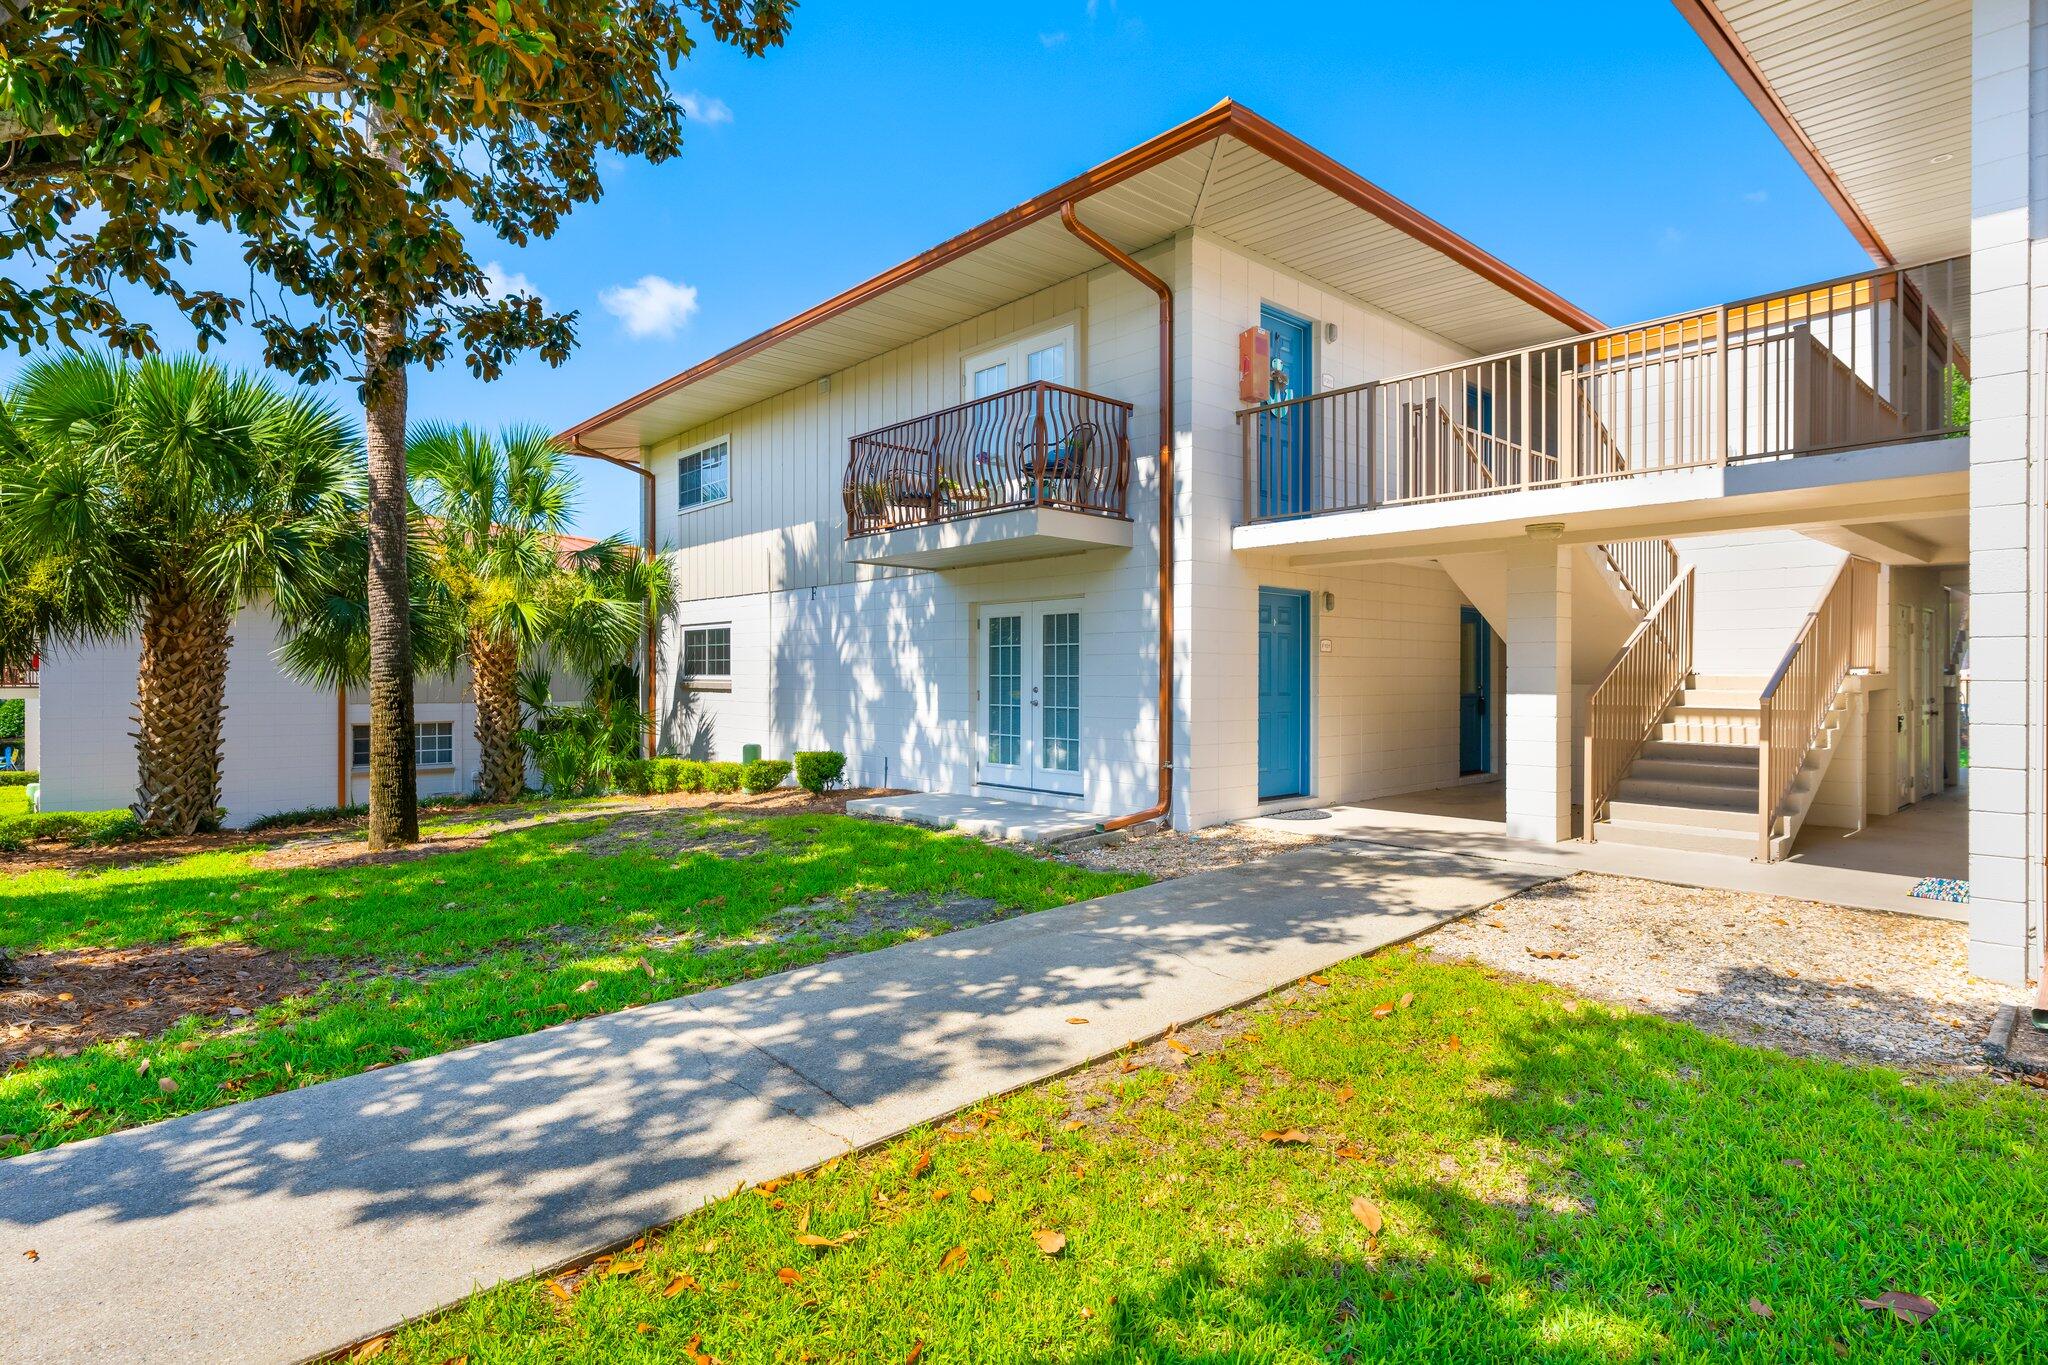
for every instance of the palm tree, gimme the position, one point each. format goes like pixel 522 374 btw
pixel 159 499
pixel 495 511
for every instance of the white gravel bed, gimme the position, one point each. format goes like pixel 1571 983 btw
pixel 1808 979
pixel 1169 853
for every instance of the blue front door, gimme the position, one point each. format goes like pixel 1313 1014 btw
pixel 1284 436
pixel 1283 693
pixel 1475 693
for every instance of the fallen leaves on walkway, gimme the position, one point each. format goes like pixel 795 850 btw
pixel 1077 1019
pixel 1549 954
pixel 370 1349
pixel 31 1255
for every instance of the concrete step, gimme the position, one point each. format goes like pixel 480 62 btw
pixel 1708 730
pixel 1678 751
pixel 1719 699
pixel 1687 839
pixel 1739 707
pixel 1687 792
pixel 1696 814
pixel 1704 772
pixel 1730 682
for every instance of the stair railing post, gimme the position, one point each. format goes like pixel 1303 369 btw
pixel 1765 799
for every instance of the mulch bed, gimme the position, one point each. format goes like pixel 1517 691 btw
pixel 54 1004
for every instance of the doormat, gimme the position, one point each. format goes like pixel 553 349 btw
pixel 1299 815
pixel 1941 889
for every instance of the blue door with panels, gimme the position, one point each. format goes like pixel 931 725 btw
pixel 1285 437
pixel 1283 693
pixel 1475 693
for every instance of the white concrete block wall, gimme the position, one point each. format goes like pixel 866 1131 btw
pixel 1752 592
pixel 2009 268
pixel 1540 699
pixel 278 747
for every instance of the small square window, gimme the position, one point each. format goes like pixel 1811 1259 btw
pixel 433 744
pixel 707 654
pixel 701 477
pixel 359 747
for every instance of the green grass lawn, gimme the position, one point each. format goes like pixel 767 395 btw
pixel 13 801
pixel 1554 1180
pixel 534 927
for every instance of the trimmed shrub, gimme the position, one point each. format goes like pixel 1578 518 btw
pixel 72 826
pixel 765 774
pixel 13 718
pixel 309 815
pixel 723 777
pixel 819 769
pixel 19 779
pixel 635 775
pixel 692 774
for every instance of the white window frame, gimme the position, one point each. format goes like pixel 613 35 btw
pixel 698 449
pixel 704 682
pixel 362 728
pixel 1016 348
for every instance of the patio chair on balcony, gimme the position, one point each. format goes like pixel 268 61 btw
pixel 1072 472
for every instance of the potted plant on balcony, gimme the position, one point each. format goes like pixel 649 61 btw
pixel 874 499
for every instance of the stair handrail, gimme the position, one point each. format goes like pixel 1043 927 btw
pixel 1628 702
pixel 1645 567
pixel 1838 635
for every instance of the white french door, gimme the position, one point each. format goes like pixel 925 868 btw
pixel 1028 696
pixel 1045 355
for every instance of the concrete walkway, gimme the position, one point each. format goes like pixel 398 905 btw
pixel 1868 872
pixel 293 1224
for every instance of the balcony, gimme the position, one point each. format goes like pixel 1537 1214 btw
pixel 1708 404
pixel 1032 472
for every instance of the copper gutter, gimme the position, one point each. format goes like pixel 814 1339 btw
pixel 577 447
pixel 1129 265
pixel 1741 65
pixel 1226 119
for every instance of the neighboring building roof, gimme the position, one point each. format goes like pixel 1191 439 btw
pixel 1228 171
pixel 1872 100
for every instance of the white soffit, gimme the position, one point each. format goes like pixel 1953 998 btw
pixel 1881 88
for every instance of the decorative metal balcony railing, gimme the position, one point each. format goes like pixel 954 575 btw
pixel 1868 359
pixel 1039 445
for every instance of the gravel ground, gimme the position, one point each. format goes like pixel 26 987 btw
pixel 1169 853
pixel 1808 979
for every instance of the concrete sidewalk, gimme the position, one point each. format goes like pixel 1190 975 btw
pixel 290 1225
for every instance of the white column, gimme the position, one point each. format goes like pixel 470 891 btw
pixel 2005 496
pixel 1539 714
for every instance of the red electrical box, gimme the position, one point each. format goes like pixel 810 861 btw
pixel 1254 365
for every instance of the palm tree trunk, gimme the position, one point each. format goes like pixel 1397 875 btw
pixel 394 778
pixel 494 678
pixel 180 697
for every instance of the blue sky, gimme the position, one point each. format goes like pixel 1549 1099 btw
pixel 1596 147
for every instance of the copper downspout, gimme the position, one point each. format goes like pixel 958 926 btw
pixel 1125 262
pixel 574 442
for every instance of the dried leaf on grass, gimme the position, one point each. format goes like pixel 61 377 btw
pixel 954 1258
pixel 1050 1242
pixel 1760 1308
pixel 981 1196
pixel 1901 1305
pixel 679 1284
pixel 1368 1213
pixel 1283 1137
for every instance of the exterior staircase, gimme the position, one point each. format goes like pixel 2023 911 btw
pixel 1694 785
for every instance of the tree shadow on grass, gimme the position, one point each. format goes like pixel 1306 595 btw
pixel 401 1190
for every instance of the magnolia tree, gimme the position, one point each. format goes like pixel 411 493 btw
pixel 346 147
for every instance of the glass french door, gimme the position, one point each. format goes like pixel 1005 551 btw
pixel 1028 696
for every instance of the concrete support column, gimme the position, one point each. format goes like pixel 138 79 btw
pixel 2009 265
pixel 1539 713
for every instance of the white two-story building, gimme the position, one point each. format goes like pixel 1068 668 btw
pixel 1698 583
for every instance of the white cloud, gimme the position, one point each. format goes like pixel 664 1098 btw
pixel 651 306
pixel 1053 40
pixel 499 282
pixel 1757 196
pixel 705 108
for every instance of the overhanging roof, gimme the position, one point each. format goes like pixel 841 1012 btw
pixel 1872 97
pixel 1228 172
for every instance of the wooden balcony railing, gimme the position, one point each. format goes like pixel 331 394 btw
pixel 1839 634
pixel 1868 359
pixel 1645 567
pixel 30 676
pixel 1040 445
pixel 1624 707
